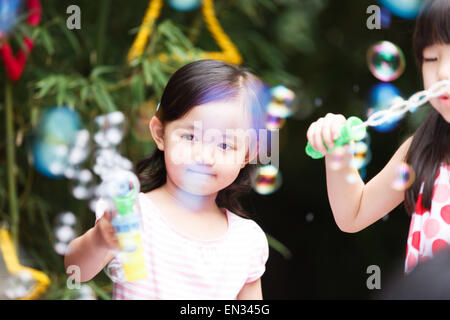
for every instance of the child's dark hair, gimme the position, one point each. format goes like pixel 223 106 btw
pixel 431 143
pixel 195 84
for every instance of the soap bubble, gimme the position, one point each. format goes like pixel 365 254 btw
pixel 274 122
pixel 352 177
pixel 185 5
pixel 64 231
pixel 268 179
pixel 120 183
pixel 309 217
pixel 386 61
pixel 361 154
pixel 337 157
pixel 281 102
pixel 405 177
pixel 80 149
pixel 381 97
pixel 407 9
pixel 83 185
pixel 277 109
pixel 66 218
pixel 109 129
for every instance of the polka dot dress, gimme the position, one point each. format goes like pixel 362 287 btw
pixel 429 231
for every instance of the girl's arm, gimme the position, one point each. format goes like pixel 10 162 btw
pixel 251 291
pixel 357 205
pixel 91 252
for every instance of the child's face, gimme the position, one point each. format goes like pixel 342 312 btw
pixel 436 67
pixel 205 150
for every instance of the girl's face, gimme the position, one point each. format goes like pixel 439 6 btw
pixel 205 150
pixel 436 67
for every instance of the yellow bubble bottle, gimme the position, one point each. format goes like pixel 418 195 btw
pixel 123 188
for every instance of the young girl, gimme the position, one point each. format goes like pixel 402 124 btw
pixel 358 205
pixel 197 240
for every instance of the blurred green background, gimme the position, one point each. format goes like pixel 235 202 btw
pixel 317 48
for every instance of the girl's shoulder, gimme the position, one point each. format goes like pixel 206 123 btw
pixel 247 227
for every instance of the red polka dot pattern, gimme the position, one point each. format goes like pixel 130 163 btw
pixel 416 240
pixel 429 230
pixel 445 214
pixel 438 245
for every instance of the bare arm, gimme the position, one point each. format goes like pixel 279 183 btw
pixel 251 291
pixel 91 252
pixel 357 205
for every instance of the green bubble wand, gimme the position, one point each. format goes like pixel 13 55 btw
pixel 355 129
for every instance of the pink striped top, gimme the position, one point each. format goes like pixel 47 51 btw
pixel 180 266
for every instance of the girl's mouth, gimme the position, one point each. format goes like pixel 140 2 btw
pixel 444 100
pixel 205 173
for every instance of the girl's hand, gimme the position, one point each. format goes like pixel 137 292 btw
pixel 325 130
pixel 106 233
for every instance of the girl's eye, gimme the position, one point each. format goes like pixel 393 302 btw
pixel 188 137
pixel 225 146
pixel 429 59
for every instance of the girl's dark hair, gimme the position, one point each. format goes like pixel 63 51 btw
pixel 195 84
pixel 432 26
pixel 431 142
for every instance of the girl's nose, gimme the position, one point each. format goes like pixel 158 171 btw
pixel 204 154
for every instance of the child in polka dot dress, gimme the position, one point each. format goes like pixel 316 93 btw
pixel 357 205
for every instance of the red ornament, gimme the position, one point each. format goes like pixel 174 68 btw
pixel 14 65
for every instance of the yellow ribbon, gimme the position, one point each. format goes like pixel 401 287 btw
pixel 14 267
pixel 229 51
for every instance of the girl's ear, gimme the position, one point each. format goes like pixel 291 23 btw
pixel 157 131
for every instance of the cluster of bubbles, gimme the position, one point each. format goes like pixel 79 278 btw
pixel 386 62
pixel 361 156
pixel 19 285
pixel 60 148
pixel 107 159
pixel 9 11
pixel 115 172
pixel 279 107
pixel 64 231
